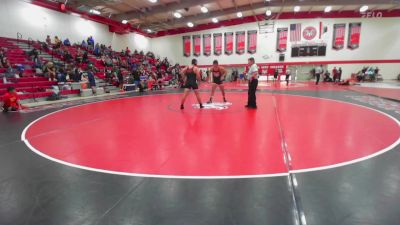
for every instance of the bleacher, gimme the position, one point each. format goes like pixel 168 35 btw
pixel 28 86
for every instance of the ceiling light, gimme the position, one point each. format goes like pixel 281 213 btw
pixel 153 1
pixel 268 12
pixel 297 8
pixel 239 14
pixel 328 9
pixel 215 20
pixel 149 30
pixel 363 8
pixel 96 12
pixel 190 24
pixel 204 9
pixel 177 15
pixel 124 21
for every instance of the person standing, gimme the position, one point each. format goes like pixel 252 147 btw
pixel 276 74
pixel 340 74
pixel 288 73
pixel 218 76
pixel 335 74
pixel 191 75
pixel 318 72
pixel 252 76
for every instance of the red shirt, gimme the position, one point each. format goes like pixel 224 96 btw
pixel 10 99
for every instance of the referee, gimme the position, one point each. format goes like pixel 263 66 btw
pixel 252 76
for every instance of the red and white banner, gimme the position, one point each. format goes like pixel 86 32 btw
pixel 196 45
pixel 251 41
pixel 353 40
pixel 281 39
pixel 207 44
pixel 218 44
pixel 339 31
pixel 240 42
pixel 228 43
pixel 186 46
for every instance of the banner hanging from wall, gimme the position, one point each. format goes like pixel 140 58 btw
pixel 207 44
pixel 196 45
pixel 281 39
pixel 228 43
pixel 186 46
pixel 240 42
pixel 353 40
pixel 218 44
pixel 251 41
pixel 339 31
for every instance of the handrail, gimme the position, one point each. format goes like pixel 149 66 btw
pixel 19 36
pixel 30 42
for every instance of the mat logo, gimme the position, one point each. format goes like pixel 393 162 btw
pixel 378 102
pixel 214 105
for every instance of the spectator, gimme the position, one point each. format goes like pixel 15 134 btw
pixel 48 40
pixel 85 57
pixel 97 50
pixel 67 42
pixel 11 100
pixel 376 71
pixel 340 74
pixel 84 45
pixel 50 71
pixel 335 74
pixel 57 42
pixel 91 79
pixel 90 41
pixel 61 76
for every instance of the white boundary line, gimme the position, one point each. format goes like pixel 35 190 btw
pixel 390 147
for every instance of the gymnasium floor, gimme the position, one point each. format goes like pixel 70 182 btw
pixel 316 155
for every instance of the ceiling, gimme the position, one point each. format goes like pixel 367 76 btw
pixel 143 14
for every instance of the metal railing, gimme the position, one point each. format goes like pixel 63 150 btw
pixel 19 36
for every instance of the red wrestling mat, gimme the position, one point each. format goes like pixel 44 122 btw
pixel 149 135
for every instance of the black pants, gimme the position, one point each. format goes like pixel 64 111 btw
pixel 317 77
pixel 287 79
pixel 251 102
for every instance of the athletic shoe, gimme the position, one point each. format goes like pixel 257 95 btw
pixel 201 106
pixel 209 102
pixel 182 107
pixel 225 100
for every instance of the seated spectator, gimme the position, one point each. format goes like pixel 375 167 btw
pixel 11 100
pixel 76 74
pixel 78 57
pixel 97 51
pixel 84 45
pixel 34 54
pixel 85 57
pixel 61 76
pixel 48 40
pixel 50 71
pixel 4 62
pixel 57 42
pixel 67 42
